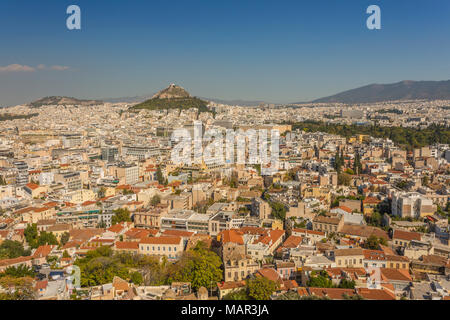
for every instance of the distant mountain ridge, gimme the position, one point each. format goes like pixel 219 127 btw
pixel 404 90
pixel 56 100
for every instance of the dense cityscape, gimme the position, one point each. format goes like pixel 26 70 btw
pixel 93 207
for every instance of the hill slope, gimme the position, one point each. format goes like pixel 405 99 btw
pixel 405 90
pixel 173 97
pixel 60 101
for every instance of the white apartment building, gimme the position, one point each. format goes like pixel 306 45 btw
pixel 412 204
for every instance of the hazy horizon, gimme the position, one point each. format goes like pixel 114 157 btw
pixel 272 51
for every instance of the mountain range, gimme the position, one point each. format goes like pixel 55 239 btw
pixel 404 90
pixel 176 97
pixel 60 101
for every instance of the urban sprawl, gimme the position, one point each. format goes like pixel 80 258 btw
pixel 93 208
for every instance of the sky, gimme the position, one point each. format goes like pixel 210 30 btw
pixel 277 51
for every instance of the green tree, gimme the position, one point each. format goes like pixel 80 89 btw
pixel 12 249
pixel 18 272
pixel 100 266
pixel 47 238
pixel 357 166
pixel 344 179
pixel 347 284
pixel 64 238
pixel 320 280
pixel 160 176
pixel 261 288
pixel 136 278
pixel 31 235
pixel 120 215
pixel 337 162
pixel 237 295
pixel 155 200
pixel 278 210
pixel 373 242
pixel 200 266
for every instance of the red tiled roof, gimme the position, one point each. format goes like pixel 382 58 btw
pixel 376 294
pixel 161 240
pixel 178 233
pixel 406 235
pixel 32 186
pixel 127 245
pixel 233 236
pixel 332 293
pixel 43 251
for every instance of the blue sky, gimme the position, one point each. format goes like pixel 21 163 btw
pixel 278 51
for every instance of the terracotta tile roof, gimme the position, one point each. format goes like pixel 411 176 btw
pixel 179 233
pixel 376 294
pixel 292 242
pixel 127 245
pixel 332 293
pixel 161 240
pixel 72 244
pixel 88 203
pixel 41 284
pixel 344 208
pixel 32 186
pixel 231 285
pixel 120 285
pixel 363 231
pixel 374 255
pixel 135 233
pixel 232 235
pixel 43 251
pixel 7 262
pixel 406 235
pixel 329 220
pixel 51 204
pixel 116 228
pixel 348 252
pixel 390 274
pixel 371 200
pixel 84 234
pixel 302 292
pixel 434 259
pixel 269 273
pixel 290 284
